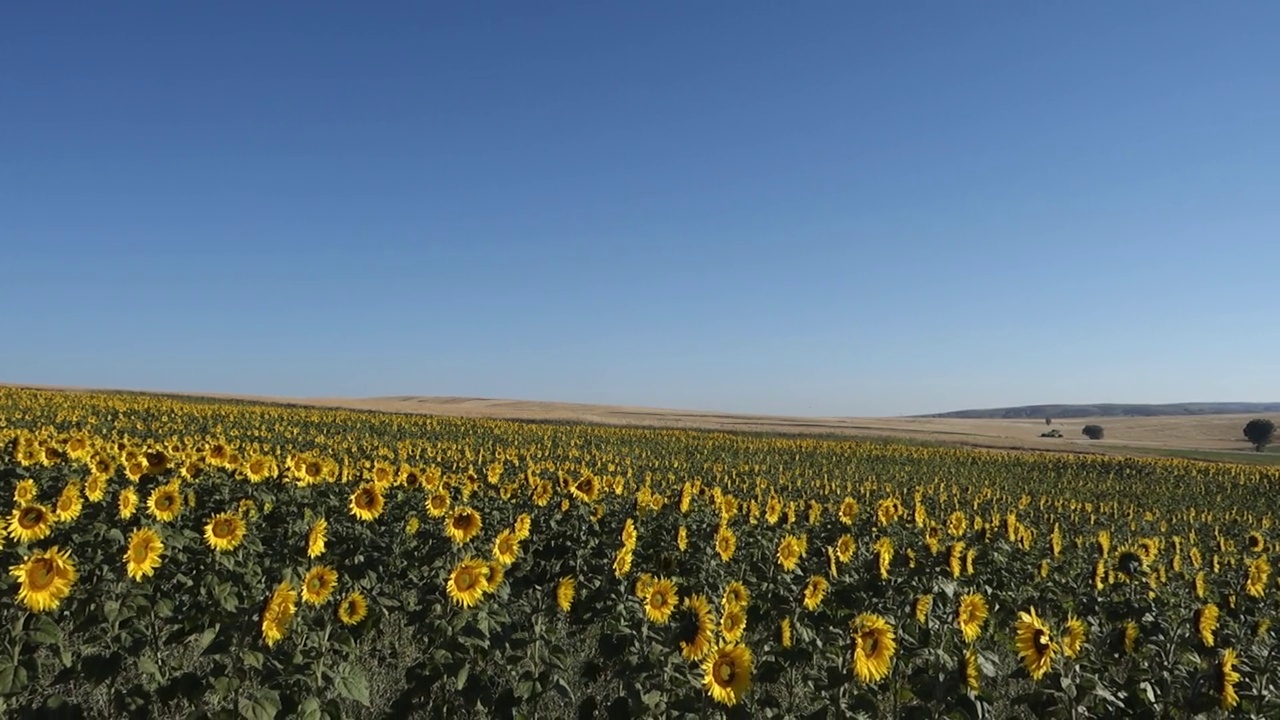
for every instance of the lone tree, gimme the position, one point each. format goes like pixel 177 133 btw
pixel 1048 421
pixel 1260 432
pixel 1093 432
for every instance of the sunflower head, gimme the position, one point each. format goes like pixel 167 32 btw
pixel 874 644
pixel 661 600
pixel 467 582
pixel 318 584
pixel 726 673
pixel 44 579
pixel 566 589
pixel 143 554
pixel 353 608
pixel 462 525
pixel 696 628
pixel 224 532
pixel 367 502
pixel 30 523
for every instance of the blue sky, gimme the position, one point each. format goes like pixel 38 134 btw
pixel 825 208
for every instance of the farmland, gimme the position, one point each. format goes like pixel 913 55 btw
pixel 185 557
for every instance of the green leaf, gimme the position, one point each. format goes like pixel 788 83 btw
pixel 149 666
pixel 207 637
pixel 309 709
pixel 352 684
pixel 44 631
pixel 462 676
pixel 252 658
pixel 262 706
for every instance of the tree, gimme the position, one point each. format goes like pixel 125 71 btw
pixel 1048 421
pixel 1260 432
pixel 1093 432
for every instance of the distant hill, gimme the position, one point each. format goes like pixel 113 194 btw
pixel 1111 410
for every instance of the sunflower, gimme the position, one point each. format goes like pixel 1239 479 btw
pixel 143 556
pixel 259 468
pixel 316 538
pixel 127 503
pixel 1207 623
pixel 697 628
pixel 622 562
pixel 1034 644
pixel 319 584
pixel 1129 636
pixel 1073 636
pixel 463 525
pixel 682 539
pixel 1255 542
pixel 955 558
pixel 970 672
pixel 726 673
pixel 492 573
pixel 353 608
pixel 278 613
pixel 506 548
pixel 366 502
pixel 736 595
pixel 439 502
pixel 165 502
pixel 30 523
pixel 523 526
pixel 565 591
pixel 661 601
pixel 644 584
pixel 586 488
pixel 726 543
pixel 814 591
pixel 44 578
pixel 784 632
pixel 629 534
pixel 69 505
pixel 412 525
pixel 873 646
pixel 921 608
pixel 25 492
pixel 1259 571
pixel 95 488
pixel 845 547
pixel 224 532
pixel 467 583
pixel 973 612
pixel 848 511
pixel 790 550
pixel 1228 676
pixel 542 493
pixel 733 623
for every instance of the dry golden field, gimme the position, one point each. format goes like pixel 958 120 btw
pixel 1125 435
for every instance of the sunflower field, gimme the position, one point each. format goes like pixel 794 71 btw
pixel 189 558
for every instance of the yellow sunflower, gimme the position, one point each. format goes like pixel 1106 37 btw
pixel 467 582
pixel 438 504
pixel 1207 623
pixel 165 502
pixel 95 488
pixel 353 608
pixel 44 578
pixel 278 613
pixel 1259 572
pixel 25 492
pixel 143 556
pixel 736 595
pixel 661 601
pixel 70 503
pixel 970 672
pixel 463 525
pixel 1073 636
pixel 814 591
pixel 506 548
pixel 1034 644
pixel 127 503
pixel 644 584
pixel 697 628
pixel 874 644
pixel 733 623
pixel 1228 676
pixel 784 632
pixel 845 547
pixel 971 615
pixel 523 526
pixel 726 673
pixel 682 539
pixel 224 532
pixel 366 502
pixel 566 589
pixel 318 584
pixel 921 607
pixel 316 538
pixel 848 511
pixel 726 543
pixel 790 550
pixel 30 523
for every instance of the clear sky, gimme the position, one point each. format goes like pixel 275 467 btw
pixel 832 208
